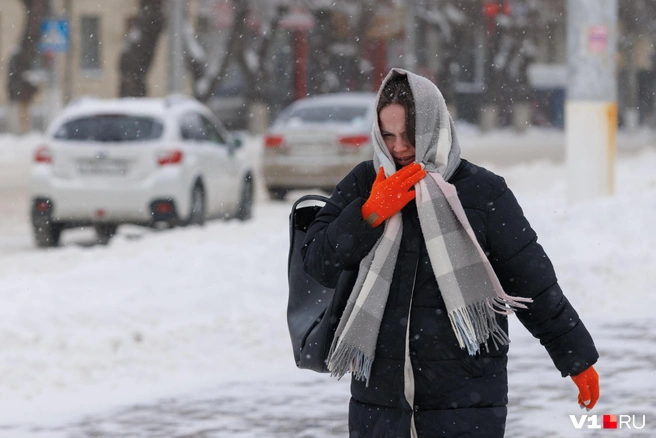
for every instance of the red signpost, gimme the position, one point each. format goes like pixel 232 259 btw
pixel 299 21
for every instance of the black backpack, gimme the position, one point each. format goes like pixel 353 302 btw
pixel 313 310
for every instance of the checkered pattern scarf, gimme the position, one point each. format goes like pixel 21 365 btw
pixel 470 288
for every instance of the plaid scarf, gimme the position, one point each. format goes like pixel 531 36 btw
pixel 470 288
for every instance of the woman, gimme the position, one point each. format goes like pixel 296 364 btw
pixel 443 254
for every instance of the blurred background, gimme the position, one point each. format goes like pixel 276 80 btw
pixel 499 63
pixel 181 331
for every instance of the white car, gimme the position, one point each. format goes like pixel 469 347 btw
pixel 136 161
pixel 316 141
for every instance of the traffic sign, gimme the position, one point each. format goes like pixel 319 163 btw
pixel 597 38
pixel 54 36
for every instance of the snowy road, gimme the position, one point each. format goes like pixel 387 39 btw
pixel 182 333
pixel 313 406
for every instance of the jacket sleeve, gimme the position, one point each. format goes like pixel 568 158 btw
pixel 339 238
pixel 525 270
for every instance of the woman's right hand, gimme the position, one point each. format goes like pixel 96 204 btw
pixel 390 195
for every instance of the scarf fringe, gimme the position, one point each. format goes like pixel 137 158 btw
pixel 476 323
pixel 351 359
pixel 507 305
pixel 512 302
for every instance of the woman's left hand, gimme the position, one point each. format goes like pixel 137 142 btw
pixel 389 195
pixel 588 384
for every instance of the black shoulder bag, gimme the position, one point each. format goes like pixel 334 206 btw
pixel 313 310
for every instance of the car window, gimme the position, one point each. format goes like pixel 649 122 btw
pixel 192 127
pixel 346 114
pixel 110 128
pixel 213 134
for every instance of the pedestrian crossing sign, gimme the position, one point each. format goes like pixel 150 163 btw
pixel 54 36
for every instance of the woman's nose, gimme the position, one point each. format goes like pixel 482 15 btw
pixel 400 144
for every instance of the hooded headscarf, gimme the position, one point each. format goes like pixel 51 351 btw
pixel 436 143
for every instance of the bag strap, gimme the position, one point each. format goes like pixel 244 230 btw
pixel 320 198
pixel 292 218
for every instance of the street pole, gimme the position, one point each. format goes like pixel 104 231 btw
pixel 175 23
pixel 591 107
pixel 54 95
pixel 68 68
pixel 410 49
pixel 54 100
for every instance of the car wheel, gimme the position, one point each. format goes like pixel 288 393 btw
pixel 104 232
pixel 277 194
pixel 47 233
pixel 245 208
pixel 197 211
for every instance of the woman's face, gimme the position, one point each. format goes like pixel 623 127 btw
pixel 392 127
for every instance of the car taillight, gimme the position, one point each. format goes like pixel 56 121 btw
pixel 354 140
pixel 164 207
pixel 273 141
pixel 170 157
pixel 42 205
pixel 42 155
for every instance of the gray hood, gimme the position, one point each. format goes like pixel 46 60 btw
pixel 436 144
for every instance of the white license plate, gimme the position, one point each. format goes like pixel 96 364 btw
pixel 103 167
pixel 311 149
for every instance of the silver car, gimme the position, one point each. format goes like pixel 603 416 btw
pixel 316 141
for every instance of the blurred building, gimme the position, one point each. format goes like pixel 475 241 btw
pixel 90 67
pixel 498 62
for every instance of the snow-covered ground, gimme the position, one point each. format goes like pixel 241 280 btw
pixel 176 332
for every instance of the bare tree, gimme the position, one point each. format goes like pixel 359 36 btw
pixel 253 53
pixel 246 45
pixel 511 48
pixel 19 87
pixel 339 40
pixel 361 31
pixel 326 73
pixel 139 48
pixel 450 20
pixel 636 21
pixel 209 65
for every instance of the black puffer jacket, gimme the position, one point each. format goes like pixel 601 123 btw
pixel 455 394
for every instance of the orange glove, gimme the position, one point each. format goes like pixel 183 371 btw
pixel 389 196
pixel 588 383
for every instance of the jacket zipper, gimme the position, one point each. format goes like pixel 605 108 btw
pixel 408 375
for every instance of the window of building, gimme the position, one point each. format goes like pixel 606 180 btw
pixel 90 42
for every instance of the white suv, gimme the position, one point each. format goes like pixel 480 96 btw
pixel 138 161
